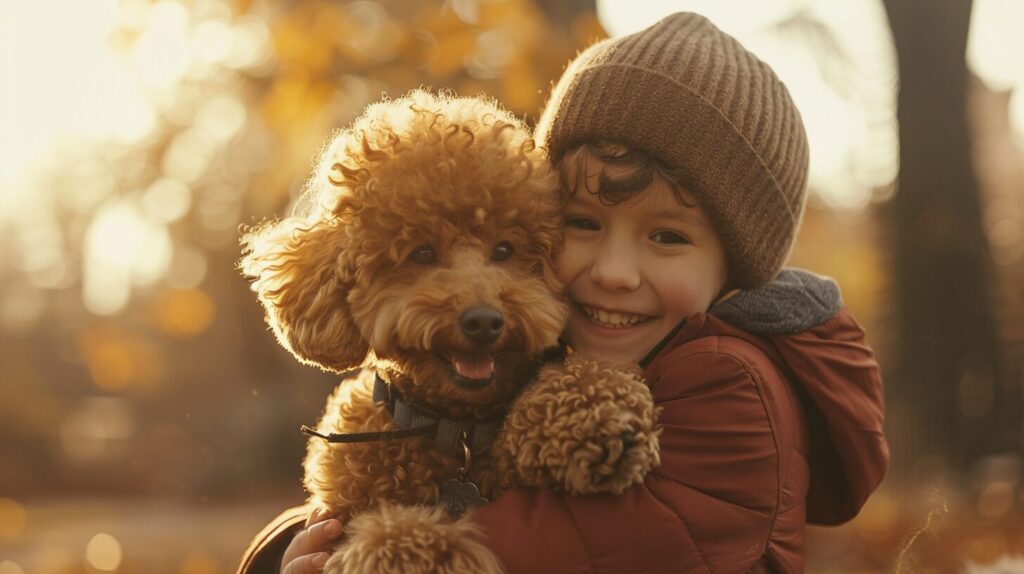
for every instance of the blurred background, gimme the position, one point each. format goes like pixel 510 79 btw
pixel 148 419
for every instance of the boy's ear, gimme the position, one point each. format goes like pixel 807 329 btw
pixel 296 270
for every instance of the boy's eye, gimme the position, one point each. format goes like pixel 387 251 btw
pixel 424 254
pixel 502 251
pixel 582 223
pixel 670 238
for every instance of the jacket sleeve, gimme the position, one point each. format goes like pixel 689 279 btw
pixel 709 507
pixel 266 550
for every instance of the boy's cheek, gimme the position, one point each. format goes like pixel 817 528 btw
pixel 567 263
pixel 575 254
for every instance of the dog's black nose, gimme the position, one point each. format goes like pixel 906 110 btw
pixel 481 324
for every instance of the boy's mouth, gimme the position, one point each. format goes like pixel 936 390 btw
pixel 612 319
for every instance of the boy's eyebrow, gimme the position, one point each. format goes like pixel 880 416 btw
pixel 678 213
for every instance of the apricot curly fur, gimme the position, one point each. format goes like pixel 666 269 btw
pixel 412 540
pixel 584 427
pixel 341 290
pixel 352 478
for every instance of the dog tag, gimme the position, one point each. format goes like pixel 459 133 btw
pixel 459 496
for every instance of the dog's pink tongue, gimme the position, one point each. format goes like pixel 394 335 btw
pixel 473 366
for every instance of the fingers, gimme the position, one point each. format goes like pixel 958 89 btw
pixel 316 538
pixel 317 515
pixel 323 533
pixel 308 564
pixel 303 554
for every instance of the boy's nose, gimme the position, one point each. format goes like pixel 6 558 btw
pixel 616 270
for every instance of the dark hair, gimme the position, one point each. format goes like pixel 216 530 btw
pixel 641 169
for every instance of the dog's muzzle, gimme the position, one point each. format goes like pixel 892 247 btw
pixel 481 325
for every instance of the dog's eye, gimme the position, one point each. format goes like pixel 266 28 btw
pixel 502 251
pixel 424 255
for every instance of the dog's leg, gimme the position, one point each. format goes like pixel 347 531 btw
pixel 411 540
pixel 582 427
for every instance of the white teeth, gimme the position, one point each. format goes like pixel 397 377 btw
pixel 612 319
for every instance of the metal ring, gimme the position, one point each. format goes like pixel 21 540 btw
pixel 464 441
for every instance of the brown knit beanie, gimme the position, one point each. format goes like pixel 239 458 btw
pixel 692 97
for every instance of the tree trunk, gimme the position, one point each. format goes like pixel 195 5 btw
pixel 945 385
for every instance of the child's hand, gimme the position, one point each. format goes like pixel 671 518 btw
pixel 310 549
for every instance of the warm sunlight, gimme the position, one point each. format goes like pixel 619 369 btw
pixel 124 248
pixel 97 84
pixel 995 50
pixel 67 86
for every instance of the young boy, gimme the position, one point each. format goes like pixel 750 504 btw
pixel 684 162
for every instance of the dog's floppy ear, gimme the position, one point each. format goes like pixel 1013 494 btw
pixel 296 270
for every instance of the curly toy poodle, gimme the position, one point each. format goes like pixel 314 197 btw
pixel 424 257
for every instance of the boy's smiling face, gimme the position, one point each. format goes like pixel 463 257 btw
pixel 635 269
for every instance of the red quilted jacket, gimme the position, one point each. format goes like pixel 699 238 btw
pixel 762 434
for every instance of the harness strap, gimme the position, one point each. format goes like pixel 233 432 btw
pixel 413 420
pixel 351 437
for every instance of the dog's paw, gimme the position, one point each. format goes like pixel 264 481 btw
pixel 584 427
pixel 411 540
pixel 610 447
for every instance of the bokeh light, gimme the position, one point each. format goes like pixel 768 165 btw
pixel 995 46
pixel 123 248
pixel 103 552
pixel 997 499
pixel 10 567
pixel 1016 112
pixel 167 200
pixel 995 50
pixel 184 313
pixel 999 565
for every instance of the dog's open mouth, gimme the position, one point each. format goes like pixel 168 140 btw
pixel 472 370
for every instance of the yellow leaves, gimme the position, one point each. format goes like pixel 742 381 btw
pixel 305 38
pixel 519 87
pixel 111 366
pixel 451 52
pixel 334 58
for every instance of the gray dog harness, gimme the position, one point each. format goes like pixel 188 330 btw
pixel 413 420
